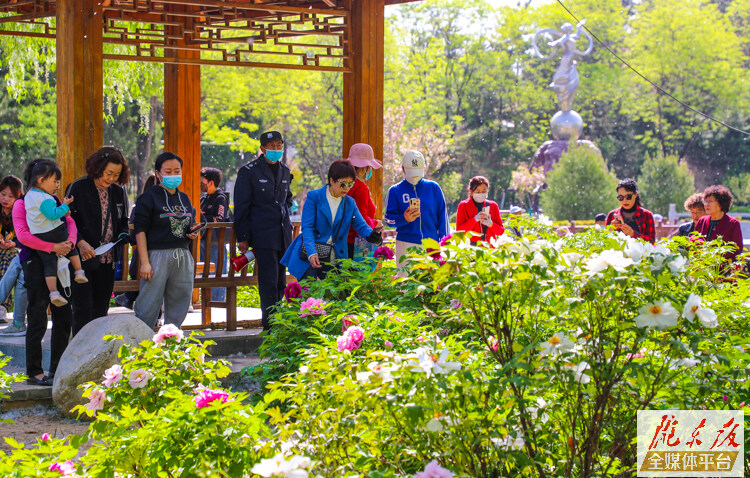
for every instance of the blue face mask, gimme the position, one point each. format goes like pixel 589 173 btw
pixel 171 182
pixel 368 175
pixel 274 155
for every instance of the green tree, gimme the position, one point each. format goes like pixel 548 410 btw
pixel 579 186
pixel 665 180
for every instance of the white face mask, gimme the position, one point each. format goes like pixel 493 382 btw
pixel 479 197
pixel 413 180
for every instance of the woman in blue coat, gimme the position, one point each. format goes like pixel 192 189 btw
pixel 326 218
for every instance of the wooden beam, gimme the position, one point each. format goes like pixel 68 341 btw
pixel 363 88
pixel 80 102
pixel 182 115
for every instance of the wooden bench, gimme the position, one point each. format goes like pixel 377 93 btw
pixel 206 276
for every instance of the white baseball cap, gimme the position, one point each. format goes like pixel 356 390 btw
pixel 413 163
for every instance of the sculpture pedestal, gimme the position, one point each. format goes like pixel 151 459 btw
pixel 549 153
pixel 566 125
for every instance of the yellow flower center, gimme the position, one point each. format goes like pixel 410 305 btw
pixel 434 358
pixel 655 309
pixel 555 340
pixel 694 308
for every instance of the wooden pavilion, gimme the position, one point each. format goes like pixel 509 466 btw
pixel 323 35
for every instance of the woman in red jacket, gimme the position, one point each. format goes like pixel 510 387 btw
pixel 717 200
pixel 363 159
pixel 478 214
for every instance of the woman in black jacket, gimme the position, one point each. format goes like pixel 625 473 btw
pixel 100 210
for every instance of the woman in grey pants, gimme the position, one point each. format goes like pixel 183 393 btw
pixel 163 218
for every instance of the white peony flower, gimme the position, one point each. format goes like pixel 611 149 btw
pixel 429 362
pixel 659 315
pixel 378 369
pixel 571 258
pixel 280 466
pixel 707 317
pixel 539 259
pixel 637 250
pixel 501 240
pixel 608 258
pixel 578 372
pixel 557 344
pixel 677 265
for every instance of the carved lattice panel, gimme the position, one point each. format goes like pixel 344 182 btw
pixel 230 32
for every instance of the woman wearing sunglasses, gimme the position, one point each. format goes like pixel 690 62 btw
pixel 631 218
pixel 326 218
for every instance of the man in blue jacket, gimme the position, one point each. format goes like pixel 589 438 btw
pixel 416 207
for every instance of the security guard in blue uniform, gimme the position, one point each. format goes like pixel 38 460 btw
pixel 262 198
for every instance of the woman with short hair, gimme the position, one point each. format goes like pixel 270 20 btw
pixel 478 214
pixel 100 211
pixel 326 217
pixel 717 223
pixel 163 220
pixel 631 218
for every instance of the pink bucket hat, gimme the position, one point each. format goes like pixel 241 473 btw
pixel 361 156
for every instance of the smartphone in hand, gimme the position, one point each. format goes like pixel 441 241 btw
pixel 414 203
pixel 196 227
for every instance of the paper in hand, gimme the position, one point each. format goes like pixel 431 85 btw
pixel 104 248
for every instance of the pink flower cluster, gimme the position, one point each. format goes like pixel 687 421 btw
pixel 455 304
pixel 167 331
pixel 293 290
pixel 383 252
pixel 351 339
pixel 65 468
pixel 97 397
pixel 445 240
pixel 112 375
pixel 433 470
pixel 312 306
pixel 206 396
pixel 494 344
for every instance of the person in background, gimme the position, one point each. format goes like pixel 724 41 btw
pixel 214 208
pixel 693 205
pixel 416 207
pixel 600 220
pixel 101 214
pixel 163 220
pixel 717 223
pixel 326 217
pixel 478 214
pixel 515 230
pixel 127 299
pixel 362 157
pixel 262 198
pixel 37 291
pixel 631 218
pixel 44 216
pixel 11 188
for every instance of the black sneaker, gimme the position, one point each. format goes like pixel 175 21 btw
pixel 42 382
pixel 123 301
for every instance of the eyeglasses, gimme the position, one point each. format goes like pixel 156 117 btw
pixel 623 198
pixel 346 185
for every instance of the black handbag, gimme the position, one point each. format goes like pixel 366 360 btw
pixel 323 249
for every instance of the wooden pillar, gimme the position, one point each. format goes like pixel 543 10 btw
pixel 182 114
pixel 80 100
pixel 363 87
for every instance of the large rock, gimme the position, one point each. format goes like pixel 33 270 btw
pixel 88 356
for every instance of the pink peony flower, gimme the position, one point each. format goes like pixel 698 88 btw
pixel 351 339
pixel 742 404
pixel 65 468
pixel 206 396
pixel 46 437
pixel 96 400
pixel 494 344
pixel 445 240
pixel 725 398
pixel 383 252
pixel 293 290
pixel 312 306
pixel 112 375
pixel 389 344
pixel 442 262
pixel 455 304
pixel 347 322
pixel 167 331
pixel 138 378
pixel 433 470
